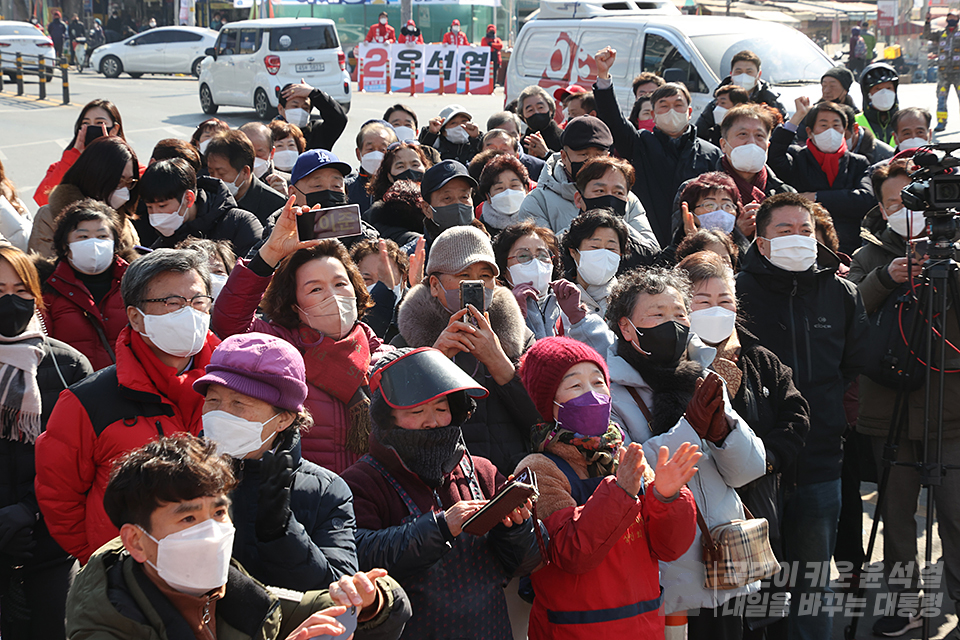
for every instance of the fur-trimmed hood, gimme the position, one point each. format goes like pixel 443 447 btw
pixel 62 196
pixel 422 319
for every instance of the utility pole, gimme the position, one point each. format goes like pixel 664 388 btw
pixel 406 11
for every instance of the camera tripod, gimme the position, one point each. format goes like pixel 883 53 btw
pixel 936 293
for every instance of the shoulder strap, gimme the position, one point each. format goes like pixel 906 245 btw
pixel 468 471
pixel 102 336
pixel 407 500
pixel 644 409
pixel 580 489
pixel 706 540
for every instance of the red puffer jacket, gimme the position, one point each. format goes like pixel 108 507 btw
pixel 71 315
pixel 96 421
pixel 325 443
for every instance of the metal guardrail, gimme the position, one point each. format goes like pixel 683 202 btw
pixel 44 68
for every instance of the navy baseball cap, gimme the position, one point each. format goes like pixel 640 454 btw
pixel 313 159
pixel 442 173
pixel 586 131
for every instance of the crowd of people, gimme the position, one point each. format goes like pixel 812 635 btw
pixel 239 430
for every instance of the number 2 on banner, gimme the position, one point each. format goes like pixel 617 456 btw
pixel 375 59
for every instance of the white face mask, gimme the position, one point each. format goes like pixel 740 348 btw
pixel 297 116
pixel 234 436
pixel 167 223
pixel 91 256
pixel 744 80
pixel 793 253
pixel 828 141
pixel 908 224
pixel 672 121
pixel 720 220
pixel 535 273
pixel 713 324
pixel 912 143
pixel 233 187
pixel 718 113
pixel 217 281
pixel 383 21
pixel 457 135
pixel 748 157
pixel 284 160
pixel 566 114
pixel 119 197
pixel 197 559
pixel 455 29
pixel 333 316
pixel 181 333
pixel 260 167
pixel 203 146
pixel 508 201
pixel 883 100
pixel 371 161
pixel 597 266
pixel 405 133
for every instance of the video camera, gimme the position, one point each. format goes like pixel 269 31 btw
pixel 934 189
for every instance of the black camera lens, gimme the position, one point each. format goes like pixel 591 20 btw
pixel 947 191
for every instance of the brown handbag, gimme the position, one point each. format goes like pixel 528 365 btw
pixel 737 553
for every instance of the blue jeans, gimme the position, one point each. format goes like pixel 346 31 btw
pixel 810 516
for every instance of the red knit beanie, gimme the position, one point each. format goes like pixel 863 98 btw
pixel 546 362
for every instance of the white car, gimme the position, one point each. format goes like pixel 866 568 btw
pixel 30 42
pixel 254 59
pixel 163 50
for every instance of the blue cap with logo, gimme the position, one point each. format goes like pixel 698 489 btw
pixel 313 159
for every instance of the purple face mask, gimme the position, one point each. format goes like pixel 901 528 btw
pixel 587 414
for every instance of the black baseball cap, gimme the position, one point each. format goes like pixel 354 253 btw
pixel 442 173
pixel 586 131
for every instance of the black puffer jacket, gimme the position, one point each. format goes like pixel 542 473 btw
pixel 318 545
pixel 500 428
pixel 662 163
pixel 324 133
pixel 218 218
pixel 815 323
pixel 846 199
pixel 17 470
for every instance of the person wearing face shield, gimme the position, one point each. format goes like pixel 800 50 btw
pixel 313 295
pixel 824 170
pixel 878 84
pixel 170 570
pixel 453 134
pixel 597 556
pixel 948 61
pixel 297 101
pixel 232 159
pixel 147 393
pixel 663 158
pixel 418 486
pixel 485 343
pixel 791 298
pixel 36 369
pixel 82 301
pixel 180 205
pixel 374 139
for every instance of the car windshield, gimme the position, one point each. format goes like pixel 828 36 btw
pixel 11 30
pixel 305 38
pixel 789 57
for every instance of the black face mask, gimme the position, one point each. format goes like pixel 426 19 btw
pixel 952 23
pixel 409 174
pixel 618 205
pixel 575 169
pixel 665 343
pixel 15 315
pixel 326 199
pixel 538 121
pixel 491 34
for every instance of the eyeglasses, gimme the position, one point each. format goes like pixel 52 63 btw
pixel 394 145
pixel 175 303
pixel 129 183
pixel 708 207
pixel 523 256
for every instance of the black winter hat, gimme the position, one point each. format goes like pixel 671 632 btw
pixel 843 75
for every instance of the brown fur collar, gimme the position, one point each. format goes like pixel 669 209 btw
pixel 422 319
pixel 62 196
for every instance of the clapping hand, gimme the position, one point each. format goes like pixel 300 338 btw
pixel 675 472
pixel 568 299
pixel 706 406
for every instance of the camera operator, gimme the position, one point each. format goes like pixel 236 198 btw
pixel 882 273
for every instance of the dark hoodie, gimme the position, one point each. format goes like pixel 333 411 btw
pixel 218 218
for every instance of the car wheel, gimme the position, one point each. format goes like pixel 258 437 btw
pixel 111 67
pixel 262 105
pixel 206 100
pixel 195 67
pixel 135 75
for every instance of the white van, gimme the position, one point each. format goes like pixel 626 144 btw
pixel 254 59
pixel 557 46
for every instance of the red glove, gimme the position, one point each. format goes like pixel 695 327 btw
pixel 522 292
pixel 705 411
pixel 568 297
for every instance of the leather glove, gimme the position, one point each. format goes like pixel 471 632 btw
pixel 16 528
pixel 705 405
pixel 273 503
pixel 568 297
pixel 522 292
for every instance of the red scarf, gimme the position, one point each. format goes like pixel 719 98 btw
pixel 829 162
pixel 338 367
pixel 753 191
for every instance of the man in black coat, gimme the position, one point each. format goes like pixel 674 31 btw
pixel 824 171
pixel 296 103
pixel 230 157
pixel 744 72
pixel 663 158
pixel 814 321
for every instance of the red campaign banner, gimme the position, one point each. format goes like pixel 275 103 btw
pixel 388 67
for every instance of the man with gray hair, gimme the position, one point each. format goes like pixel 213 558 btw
pixel 537 108
pixel 262 140
pixel 504 138
pixel 146 394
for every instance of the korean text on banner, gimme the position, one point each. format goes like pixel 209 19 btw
pixel 376 58
pixel 402 56
pixel 477 60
